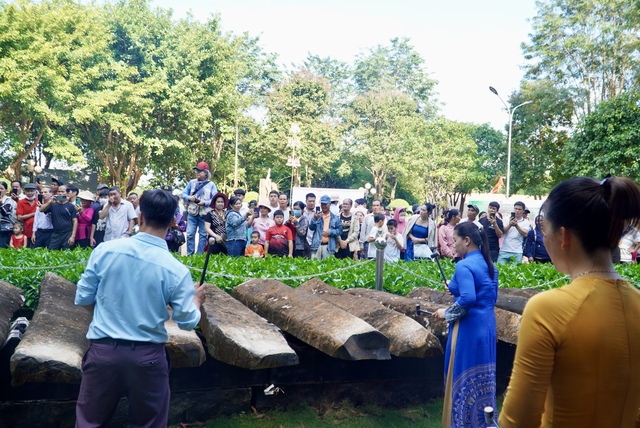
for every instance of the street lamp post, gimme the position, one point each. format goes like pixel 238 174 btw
pixel 510 112
pixel 293 161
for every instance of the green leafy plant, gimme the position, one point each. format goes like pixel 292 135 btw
pixel 26 268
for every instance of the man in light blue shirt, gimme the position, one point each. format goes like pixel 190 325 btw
pixel 128 284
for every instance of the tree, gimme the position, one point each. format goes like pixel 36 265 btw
pixel 397 67
pixel 380 129
pixel 303 99
pixel 340 77
pixel 589 47
pixel 447 161
pixel 607 140
pixel 48 52
pixel 540 132
pixel 491 161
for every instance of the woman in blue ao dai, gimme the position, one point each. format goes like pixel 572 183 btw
pixel 470 358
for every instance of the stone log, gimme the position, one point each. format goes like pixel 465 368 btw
pixel 507 322
pixel 407 306
pixel 240 337
pixel 316 322
pixel 184 347
pixel 12 299
pixel 407 337
pixel 52 348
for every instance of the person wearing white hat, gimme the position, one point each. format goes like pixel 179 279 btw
pixel 85 217
pixel 262 223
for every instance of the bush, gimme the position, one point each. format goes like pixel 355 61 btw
pixel 26 268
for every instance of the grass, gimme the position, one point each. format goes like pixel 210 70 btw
pixel 335 414
pixel 331 415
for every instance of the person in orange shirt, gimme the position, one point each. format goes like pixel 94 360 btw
pixel 254 249
pixel 576 362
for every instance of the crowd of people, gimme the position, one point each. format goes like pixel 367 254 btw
pixel 60 216
pixel 575 363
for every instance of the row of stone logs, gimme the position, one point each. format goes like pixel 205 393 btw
pixel 509 306
pixel 53 345
pixel 12 299
pixel 356 324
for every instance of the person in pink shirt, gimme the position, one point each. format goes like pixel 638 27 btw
pixel 445 234
pixel 85 215
pixel 263 223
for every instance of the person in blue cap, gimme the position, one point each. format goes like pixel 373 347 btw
pixel 329 228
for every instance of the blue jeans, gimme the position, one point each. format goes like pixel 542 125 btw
pixel 195 222
pixel 505 257
pixel 236 247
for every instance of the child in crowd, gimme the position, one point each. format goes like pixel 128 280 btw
pixel 378 230
pixel 18 239
pixel 395 243
pixel 279 240
pixel 254 249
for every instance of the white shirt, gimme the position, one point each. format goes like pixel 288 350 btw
pixel 512 240
pixel 392 250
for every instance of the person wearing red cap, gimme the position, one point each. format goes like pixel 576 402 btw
pixel 197 195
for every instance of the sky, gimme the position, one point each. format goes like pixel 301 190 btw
pixel 467 45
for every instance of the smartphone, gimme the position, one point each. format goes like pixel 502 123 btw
pixel 317 209
pixel 256 211
pixel 513 215
pixel 492 215
pixel 14 191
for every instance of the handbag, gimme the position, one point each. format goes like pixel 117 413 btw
pixel 422 251
pixel 193 209
pixel 178 237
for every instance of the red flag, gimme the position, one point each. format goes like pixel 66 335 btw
pixel 499 185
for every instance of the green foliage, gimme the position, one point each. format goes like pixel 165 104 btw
pixel 540 133
pixel 589 47
pixel 48 51
pixel 397 67
pixel 26 268
pixel 607 140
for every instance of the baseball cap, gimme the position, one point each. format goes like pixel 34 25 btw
pixel 57 180
pixel 335 198
pixel 166 187
pixel 325 199
pixel 30 186
pixel 474 207
pixel 102 186
pixel 201 166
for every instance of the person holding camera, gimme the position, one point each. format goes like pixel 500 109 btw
pixel 494 228
pixel 514 233
pixel 197 195
pixel 7 215
pixel 236 226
